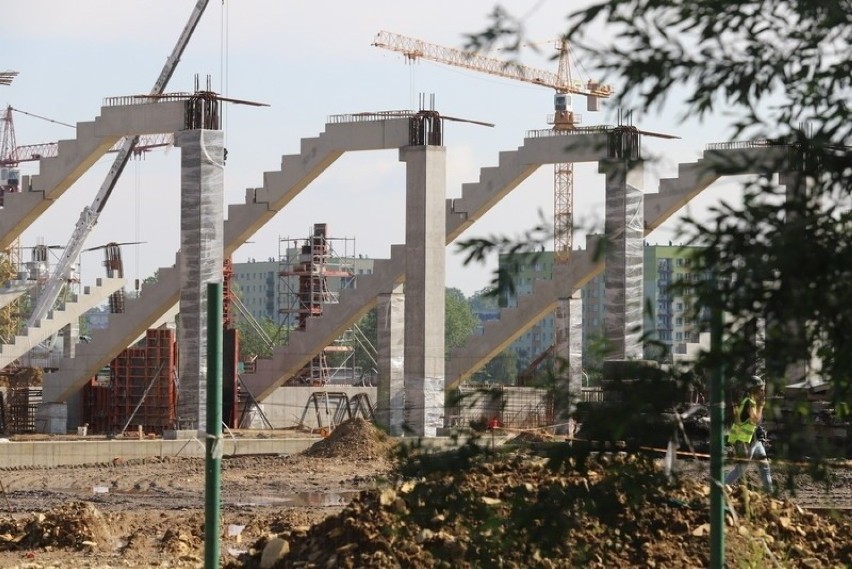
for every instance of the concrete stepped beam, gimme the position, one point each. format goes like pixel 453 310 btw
pixel 477 198
pixel 157 298
pixel 58 319
pixel 13 290
pixel 75 157
pixel 673 193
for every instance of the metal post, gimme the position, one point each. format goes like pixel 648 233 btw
pixel 717 418
pixel 213 446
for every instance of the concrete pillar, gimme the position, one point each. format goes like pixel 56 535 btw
pixel 70 337
pixel 201 235
pixel 625 233
pixel 568 349
pixel 390 340
pixel 425 268
pixel 797 184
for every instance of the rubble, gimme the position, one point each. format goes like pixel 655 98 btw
pixel 355 439
pixel 519 509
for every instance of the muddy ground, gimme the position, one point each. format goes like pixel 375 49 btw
pixel 149 513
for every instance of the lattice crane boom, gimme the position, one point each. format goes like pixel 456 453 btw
pixel 414 49
pixel 89 216
pixel 564 118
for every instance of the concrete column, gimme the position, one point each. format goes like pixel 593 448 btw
pixel 201 235
pixel 390 333
pixel 425 268
pixel 624 260
pixel 568 349
pixel 70 337
pixel 797 184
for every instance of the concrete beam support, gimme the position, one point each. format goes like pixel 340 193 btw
pixel 568 349
pixel 797 181
pixel 390 323
pixel 201 234
pixel 425 271
pixel 624 229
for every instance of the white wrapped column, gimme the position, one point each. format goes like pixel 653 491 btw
pixel 201 235
pixel 624 261
pixel 390 326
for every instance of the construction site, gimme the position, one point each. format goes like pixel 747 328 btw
pixel 110 433
pixel 142 372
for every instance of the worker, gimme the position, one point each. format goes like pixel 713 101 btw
pixel 743 434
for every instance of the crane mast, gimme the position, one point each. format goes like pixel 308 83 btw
pixel 89 215
pixel 564 118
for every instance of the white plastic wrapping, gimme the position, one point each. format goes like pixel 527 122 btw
pixel 623 287
pixel 201 237
pixel 390 322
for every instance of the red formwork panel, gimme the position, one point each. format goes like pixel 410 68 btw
pixel 142 384
pixel 96 406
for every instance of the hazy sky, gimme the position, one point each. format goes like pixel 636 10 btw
pixel 307 60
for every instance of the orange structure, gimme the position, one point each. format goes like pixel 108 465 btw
pixel 316 263
pixel 141 388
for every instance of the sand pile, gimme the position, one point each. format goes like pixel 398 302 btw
pixel 355 439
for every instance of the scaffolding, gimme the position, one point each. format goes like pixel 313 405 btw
pixel 21 407
pixel 313 272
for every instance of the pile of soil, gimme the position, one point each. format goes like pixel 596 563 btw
pixel 355 439
pixel 531 437
pixel 75 525
pixel 518 509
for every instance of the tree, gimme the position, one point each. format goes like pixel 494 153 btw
pixel 779 72
pixel 460 321
pixel 260 340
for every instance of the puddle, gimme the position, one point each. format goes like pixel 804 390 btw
pixel 300 499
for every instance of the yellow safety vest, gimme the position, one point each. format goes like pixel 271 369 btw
pixel 742 431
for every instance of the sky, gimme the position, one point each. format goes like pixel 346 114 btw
pixel 307 61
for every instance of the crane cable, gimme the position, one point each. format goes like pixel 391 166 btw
pixel 224 31
pixel 42 118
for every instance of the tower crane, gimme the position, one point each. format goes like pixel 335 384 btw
pixel 563 119
pixel 89 215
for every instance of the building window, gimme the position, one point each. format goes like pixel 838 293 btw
pixel 679 321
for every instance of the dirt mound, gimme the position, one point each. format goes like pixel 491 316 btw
pixel 76 525
pixel 528 437
pixel 521 510
pixel 355 439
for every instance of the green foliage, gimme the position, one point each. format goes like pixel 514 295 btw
pixel 365 350
pixel 254 343
pixel 775 71
pixel 460 320
pixel 503 368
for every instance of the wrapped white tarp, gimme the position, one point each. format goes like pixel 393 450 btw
pixel 623 287
pixel 390 324
pixel 201 236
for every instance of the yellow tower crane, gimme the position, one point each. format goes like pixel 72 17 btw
pixel 563 119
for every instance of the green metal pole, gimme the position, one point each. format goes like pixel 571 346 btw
pixel 717 419
pixel 213 456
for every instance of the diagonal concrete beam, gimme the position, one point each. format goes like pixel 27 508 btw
pixel 76 156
